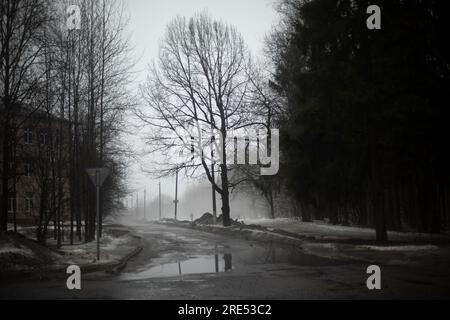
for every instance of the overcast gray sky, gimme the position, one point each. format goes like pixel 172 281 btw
pixel 148 20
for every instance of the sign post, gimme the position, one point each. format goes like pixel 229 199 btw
pixel 98 177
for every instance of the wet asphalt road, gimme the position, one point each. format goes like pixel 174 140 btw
pixel 179 263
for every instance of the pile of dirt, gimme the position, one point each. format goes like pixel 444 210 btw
pixel 208 219
pixel 205 219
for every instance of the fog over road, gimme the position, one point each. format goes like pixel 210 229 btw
pixel 179 263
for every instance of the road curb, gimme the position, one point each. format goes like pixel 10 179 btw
pixel 123 263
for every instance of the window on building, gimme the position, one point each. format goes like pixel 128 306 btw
pixel 57 137
pixel 28 169
pixel 12 134
pixel 29 203
pixel 44 137
pixel 28 136
pixel 11 204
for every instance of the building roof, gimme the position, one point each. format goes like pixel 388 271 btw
pixel 28 111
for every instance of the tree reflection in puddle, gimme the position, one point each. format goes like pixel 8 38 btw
pixel 197 265
pixel 222 260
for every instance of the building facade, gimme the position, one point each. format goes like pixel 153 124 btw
pixel 38 172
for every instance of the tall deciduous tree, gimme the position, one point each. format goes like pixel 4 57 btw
pixel 202 81
pixel 21 30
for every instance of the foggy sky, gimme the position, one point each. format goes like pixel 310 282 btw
pixel 147 23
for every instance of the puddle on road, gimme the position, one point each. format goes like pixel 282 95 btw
pixel 198 265
pixel 223 261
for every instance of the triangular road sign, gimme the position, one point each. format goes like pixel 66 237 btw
pixel 98 175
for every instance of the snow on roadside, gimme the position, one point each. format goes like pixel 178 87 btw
pixel 330 246
pixel 392 255
pixel 6 249
pixel 328 251
pixel 19 254
pixel 113 243
pixel 112 249
pixel 410 248
pixel 12 246
pixel 323 230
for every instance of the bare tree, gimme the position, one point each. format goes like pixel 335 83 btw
pixel 200 83
pixel 21 27
pixel 265 108
pixel 79 80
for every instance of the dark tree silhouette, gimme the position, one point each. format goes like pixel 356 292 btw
pixel 364 133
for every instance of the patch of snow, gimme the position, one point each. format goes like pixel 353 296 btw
pixel 330 246
pixel 264 221
pixel 77 251
pixel 402 248
pixel 14 250
pixel 114 243
pixel 323 230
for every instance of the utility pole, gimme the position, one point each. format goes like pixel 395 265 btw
pixel 214 203
pixel 160 201
pixel 176 195
pixel 131 203
pixel 145 199
pixel 137 206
